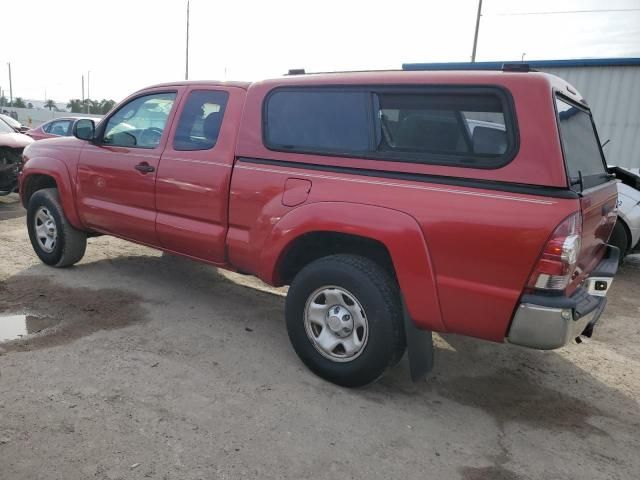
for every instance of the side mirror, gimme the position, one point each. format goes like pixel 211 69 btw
pixel 84 129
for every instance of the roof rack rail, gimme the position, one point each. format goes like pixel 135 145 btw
pixel 475 66
pixel 516 67
pixel 302 71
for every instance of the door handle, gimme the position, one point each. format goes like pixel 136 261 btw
pixel 144 167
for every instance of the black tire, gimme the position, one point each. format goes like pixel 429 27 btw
pixel 70 243
pixel 379 297
pixel 619 239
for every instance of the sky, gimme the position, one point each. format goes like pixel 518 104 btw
pixel 130 44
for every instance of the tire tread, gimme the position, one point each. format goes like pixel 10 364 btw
pixel 390 293
pixel 74 241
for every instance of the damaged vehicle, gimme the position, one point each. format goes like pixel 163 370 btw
pixel 626 233
pixel 11 146
pixel 13 123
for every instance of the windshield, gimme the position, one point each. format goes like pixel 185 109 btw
pixel 12 122
pixel 5 128
pixel 582 152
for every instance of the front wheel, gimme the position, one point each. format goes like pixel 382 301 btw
pixel 53 238
pixel 344 319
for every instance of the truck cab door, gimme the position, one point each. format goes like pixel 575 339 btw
pixel 117 171
pixel 192 186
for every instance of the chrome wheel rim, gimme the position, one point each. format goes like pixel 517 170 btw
pixel 336 324
pixel 45 229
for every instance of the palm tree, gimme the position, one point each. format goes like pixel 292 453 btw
pixel 94 106
pixel 106 106
pixel 50 104
pixel 75 105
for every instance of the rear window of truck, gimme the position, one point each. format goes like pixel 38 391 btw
pixel 582 153
pixel 465 126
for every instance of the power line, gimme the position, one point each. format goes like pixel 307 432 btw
pixel 560 12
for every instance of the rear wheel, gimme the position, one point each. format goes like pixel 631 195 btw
pixel 53 238
pixel 619 239
pixel 344 319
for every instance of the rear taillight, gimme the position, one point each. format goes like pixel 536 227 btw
pixel 559 259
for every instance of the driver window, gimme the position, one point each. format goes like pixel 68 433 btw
pixel 140 122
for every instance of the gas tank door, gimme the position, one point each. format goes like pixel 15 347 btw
pixel 296 191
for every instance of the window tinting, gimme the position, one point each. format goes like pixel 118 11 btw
pixel 332 121
pixel 580 144
pixel 442 124
pixel 466 126
pixel 200 120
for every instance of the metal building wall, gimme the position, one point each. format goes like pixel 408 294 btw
pixel 613 93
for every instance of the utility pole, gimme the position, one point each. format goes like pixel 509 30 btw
pixel 186 63
pixel 475 37
pixel 10 87
pixel 88 94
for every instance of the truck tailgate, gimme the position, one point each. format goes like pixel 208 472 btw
pixel 599 213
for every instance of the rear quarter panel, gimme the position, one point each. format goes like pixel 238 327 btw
pixel 480 245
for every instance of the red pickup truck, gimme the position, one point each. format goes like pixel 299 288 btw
pixel 394 204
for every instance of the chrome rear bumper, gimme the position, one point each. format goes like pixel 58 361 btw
pixel 547 322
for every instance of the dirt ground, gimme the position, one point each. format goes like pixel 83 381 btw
pixel 145 366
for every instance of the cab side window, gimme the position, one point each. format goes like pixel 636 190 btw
pixel 200 120
pixel 140 122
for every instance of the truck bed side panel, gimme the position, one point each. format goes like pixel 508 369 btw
pixel 482 243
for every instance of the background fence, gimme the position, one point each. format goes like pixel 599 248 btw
pixel 32 117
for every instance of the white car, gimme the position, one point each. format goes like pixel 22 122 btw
pixel 626 233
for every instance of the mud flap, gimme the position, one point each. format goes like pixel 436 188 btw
pixel 419 347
